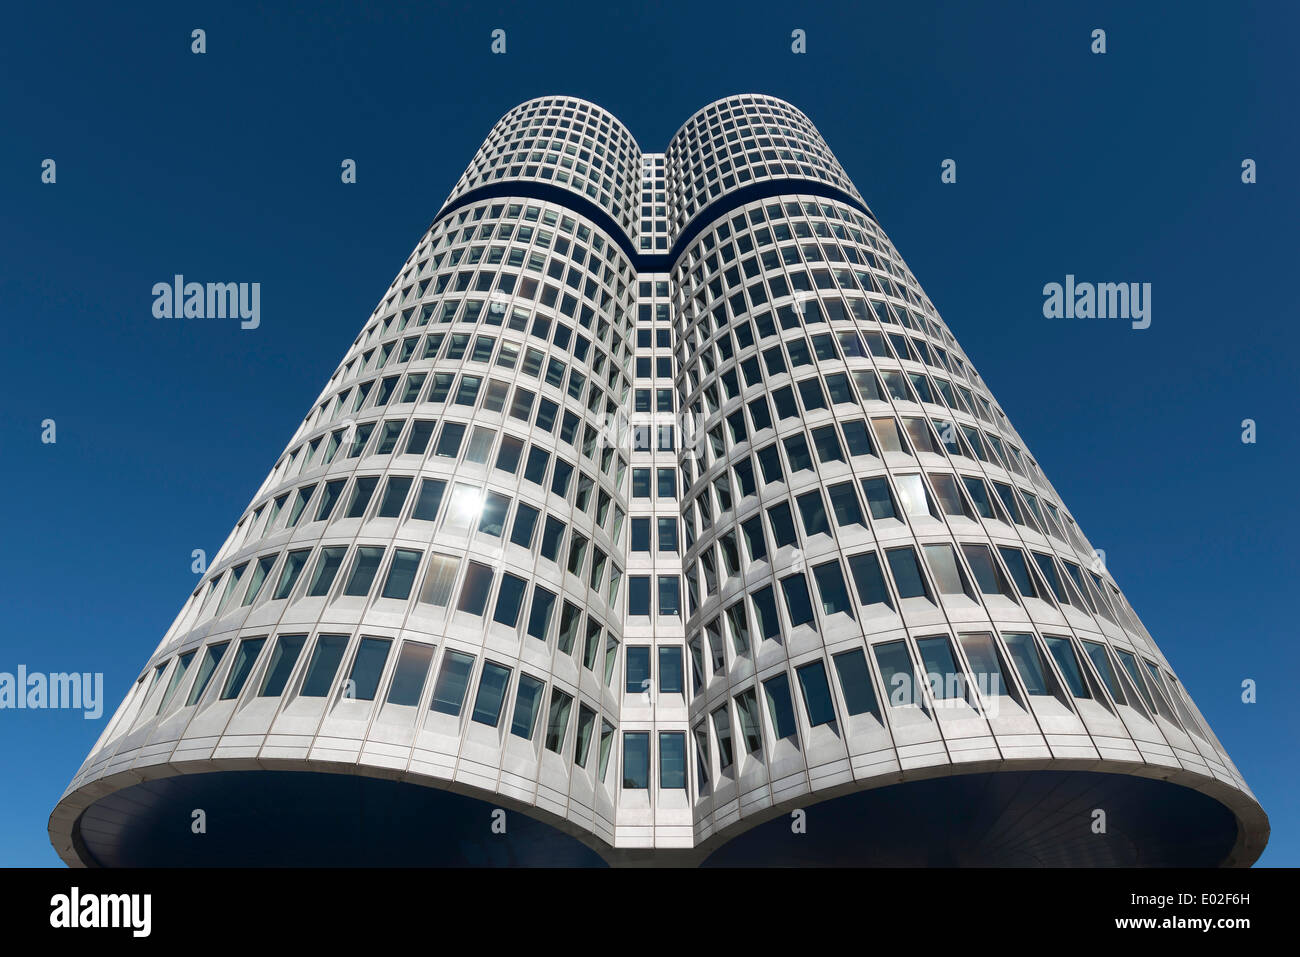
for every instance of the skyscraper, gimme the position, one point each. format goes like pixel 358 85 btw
pixel 656 516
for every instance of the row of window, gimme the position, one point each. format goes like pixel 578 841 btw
pixel 923 673
pixel 468 508
pixel 320 677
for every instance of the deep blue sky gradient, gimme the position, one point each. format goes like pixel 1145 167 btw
pixel 225 167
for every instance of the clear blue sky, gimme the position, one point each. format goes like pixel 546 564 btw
pixel 225 167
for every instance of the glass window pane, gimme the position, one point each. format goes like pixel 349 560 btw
pixel 816 694
pixel 324 665
pixel 855 683
pixel 528 704
pixel 409 675
pixel 491 694
pixel 367 668
pixel 283 658
pixel 636 760
pixel 672 759
pixel 453 680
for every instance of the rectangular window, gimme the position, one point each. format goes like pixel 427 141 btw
pixel 474 591
pixel 855 682
pixel 987 667
pixel 245 658
pixel 282 661
pixel 907 573
pixel 409 675
pixel 324 665
pixel 367 668
pixel 361 495
pixel 528 704
pixel 582 744
pixel 557 720
pixel 491 695
pixel 293 565
pixel 672 759
pixel 364 567
pixel 453 681
pixel 636 760
pixel 638 669
pixel 750 730
pixel 722 728
pixel 539 617
pixel 816 694
pixel 510 598
pixel 438 580
pixel 897 673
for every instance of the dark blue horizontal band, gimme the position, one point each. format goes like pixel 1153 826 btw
pixel 650 262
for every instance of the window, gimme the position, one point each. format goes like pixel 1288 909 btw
pixel 946 680
pixel 245 657
pixel 780 706
pixel 474 591
pixel 429 499
pixel 636 760
pixel 408 676
pixel 1020 573
pixel 260 572
pixel 986 664
pixel 782 521
pixel 525 522
pixel 987 575
pixel 722 728
pixel 1024 654
pixel 528 704
pixel 747 710
pixel 439 579
pixel 606 746
pixel 557 720
pixel 667 534
pixel 401 574
pixel 880 501
pixel 638 595
pixel 361 494
pixel 1068 661
pixel 907 573
pixel 327 566
pixel 897 673
pixel 640 534
pixel 293 566
pixel 669 595
pixel 672 759
pixel 182 665
pixel 638 669
pixel 394 497
pixel 491 694
pixel 816 694
pixel 948 576
pixel 367 668
pixel 670 670
pixel 797 601
pixel 453 681
pixel 324 665
pixel 769 622
pixel 855 682
pixel 911 492
pixel 582 744
pixel 492 519
pixel 509 599
pixel 449 440
pixel 364 567
pixel 830 588
pixel 539 618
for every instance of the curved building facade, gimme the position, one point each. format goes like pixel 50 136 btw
pixel 656 516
